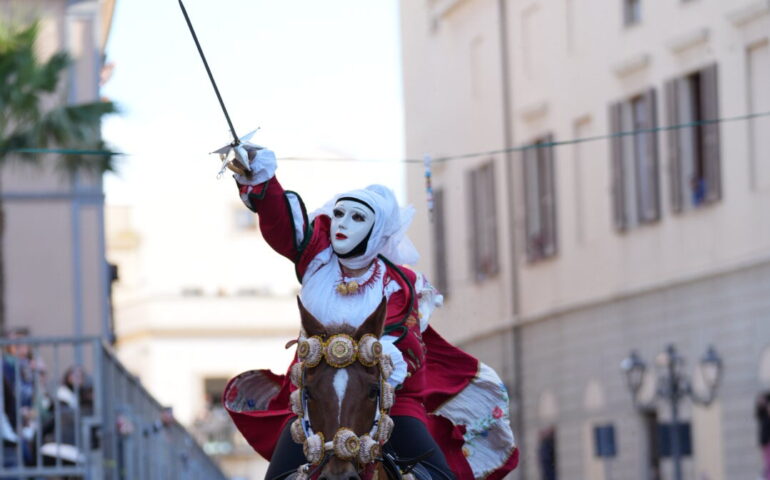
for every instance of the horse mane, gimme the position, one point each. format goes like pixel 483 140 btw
pixel 337 328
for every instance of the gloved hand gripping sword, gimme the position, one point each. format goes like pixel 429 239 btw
pixel 240 147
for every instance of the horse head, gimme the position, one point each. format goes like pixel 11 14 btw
pixel 342 398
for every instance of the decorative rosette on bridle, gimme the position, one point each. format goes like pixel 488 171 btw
pixel 386 366
pixel 310 351
pixel 384 428
pixel 295 399
pixel 298 432
pixel 346 444
pixel 296 374
pixel 370 449
pixel 369 350
pixel 314 447
pixel 340 351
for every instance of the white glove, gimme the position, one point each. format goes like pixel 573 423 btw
pixel 262 164
pixel 389 348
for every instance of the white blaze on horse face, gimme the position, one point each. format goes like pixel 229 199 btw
pixel 340 387
pixel 351 223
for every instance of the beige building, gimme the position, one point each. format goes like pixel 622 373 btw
pixel 57 277
pixel 568 256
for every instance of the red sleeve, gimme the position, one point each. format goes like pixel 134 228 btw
pixel 268 200
pixel 276 223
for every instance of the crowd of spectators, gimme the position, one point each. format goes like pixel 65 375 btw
pixel 40 415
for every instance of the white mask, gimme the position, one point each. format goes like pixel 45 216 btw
pixel 351 223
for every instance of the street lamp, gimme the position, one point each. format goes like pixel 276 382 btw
pixel 673 385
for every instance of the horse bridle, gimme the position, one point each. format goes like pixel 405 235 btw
pixel 340 351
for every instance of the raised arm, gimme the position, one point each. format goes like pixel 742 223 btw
pixel 282 217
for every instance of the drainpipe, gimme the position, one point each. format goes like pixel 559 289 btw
pixel 505 78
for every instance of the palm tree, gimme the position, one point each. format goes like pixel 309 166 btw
pixel 26 126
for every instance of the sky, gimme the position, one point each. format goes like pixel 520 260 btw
pixel 320 78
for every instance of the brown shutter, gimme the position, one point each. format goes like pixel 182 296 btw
pixel 549 198
pixel 674 159
pixel 491 218
pixel 439 243
pixel 473 221
pixel 650 100
pixel 616 159
pixel 709 103
pixel 526 156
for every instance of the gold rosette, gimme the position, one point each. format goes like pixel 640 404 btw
pixel 384 428
pixel 297 432
pixel 370 450
pixel 386 366
pixel 340 351
pixel 313 448
pixel 388 395
pixel 310 351
pixel 346 444
pixel 295 399
pixel 296 374
pixel 369 350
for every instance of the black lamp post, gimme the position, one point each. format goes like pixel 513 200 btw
pixel 673 385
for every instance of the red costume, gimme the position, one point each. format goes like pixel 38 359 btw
pixel 442 383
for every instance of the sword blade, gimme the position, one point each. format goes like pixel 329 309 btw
pixel 236 141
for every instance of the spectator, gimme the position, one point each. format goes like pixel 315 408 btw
pixel 74 400
pixel 763 421
pixel 20 369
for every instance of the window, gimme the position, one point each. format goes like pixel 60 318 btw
pixel 213 427
pixel 694 146
pixel 483 221
pixel 635 183
pixel 632 12
pixel 540 199
pixel 758 66
pixel 441 276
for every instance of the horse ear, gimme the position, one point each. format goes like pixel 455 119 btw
pixel 310 325
pixel 375 323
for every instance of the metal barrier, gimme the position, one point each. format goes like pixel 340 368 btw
pixel 68 408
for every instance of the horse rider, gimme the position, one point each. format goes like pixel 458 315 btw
pixel 348 255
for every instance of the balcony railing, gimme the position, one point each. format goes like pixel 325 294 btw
pixel 68 408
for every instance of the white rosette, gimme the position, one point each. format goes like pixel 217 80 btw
pixel 388 395
pixel 314 448
pixel 295 399
pixel 370 450
pixel 297 432
pixel 346 444
pixel 310 351
pixel 296 374
pixel 384 428
pixel 369 350
pixel 386 366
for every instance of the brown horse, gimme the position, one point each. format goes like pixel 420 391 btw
pixel 342 397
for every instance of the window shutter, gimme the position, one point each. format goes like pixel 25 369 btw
pixel 527 156
pixel 439 243
pixel 616 158
pixel 650 101
pixel 674 159
pixel 710 108
pixel 472 205
pixel 490 215
pixel 549 196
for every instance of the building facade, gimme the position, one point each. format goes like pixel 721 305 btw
pixel 568 254
pixel 57 278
